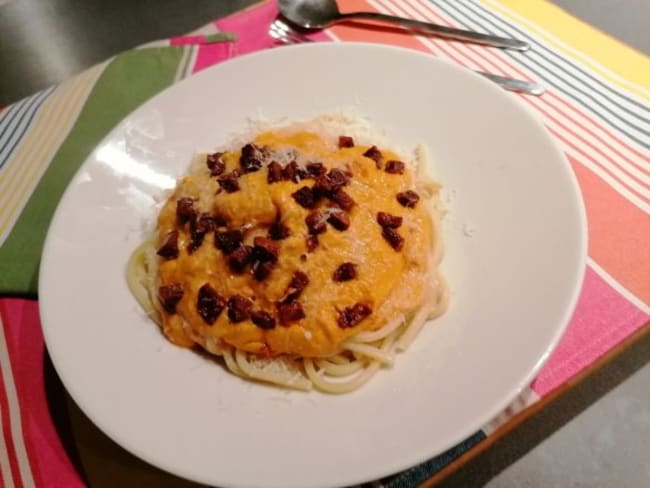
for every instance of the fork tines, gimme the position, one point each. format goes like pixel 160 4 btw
pixel 282 32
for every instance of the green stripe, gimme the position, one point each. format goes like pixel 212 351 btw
pixel 129 80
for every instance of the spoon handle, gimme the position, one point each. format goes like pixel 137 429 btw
pixel 440 30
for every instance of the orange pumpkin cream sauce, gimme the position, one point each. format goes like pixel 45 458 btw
pixel 291 244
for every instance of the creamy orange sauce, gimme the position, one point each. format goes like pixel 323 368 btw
pixel 390 281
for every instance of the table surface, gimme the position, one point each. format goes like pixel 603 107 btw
pixel 597 434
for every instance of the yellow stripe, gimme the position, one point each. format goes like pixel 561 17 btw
pixel 50 129
pixel 35 150
pixel 33 144
pixel 604 55
pixel 40 149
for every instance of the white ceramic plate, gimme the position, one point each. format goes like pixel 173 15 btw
pixel 515 255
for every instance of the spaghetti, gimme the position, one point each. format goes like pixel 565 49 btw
pixel 304 258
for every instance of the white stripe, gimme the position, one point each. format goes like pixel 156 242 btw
pixel 5 465
pixel 333 36
pixel 14 413
pixel 601 169
pixel 194 52
pixel 635 164
pixel 9 113
pixel 23 107
pixel 627 294
pixel 438 47
pixel 549 72
pixel 607 178
pixel 588 145
pixel 632 173
pixel 586 60
pixel 524 400
pixel 597 160
pixel 180 70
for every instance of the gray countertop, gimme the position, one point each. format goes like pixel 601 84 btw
pixel 595 435
pixel 603 446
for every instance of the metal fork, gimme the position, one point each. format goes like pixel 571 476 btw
pixel 283 33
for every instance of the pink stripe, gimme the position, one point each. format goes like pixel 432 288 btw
pixel 449 50
pixel 211 54
pixel 207 53
pixel 602 319
pixel 252 26
pixel 50 464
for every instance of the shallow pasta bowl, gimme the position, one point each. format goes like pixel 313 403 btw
pixel 515 252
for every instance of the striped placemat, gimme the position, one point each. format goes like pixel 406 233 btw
pixel 597 107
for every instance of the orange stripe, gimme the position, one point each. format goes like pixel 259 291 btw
pixel 381 35
pixel 619 233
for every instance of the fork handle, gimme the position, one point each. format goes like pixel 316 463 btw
pixel 440 30
pixel 512 84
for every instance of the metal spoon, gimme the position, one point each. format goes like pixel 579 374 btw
pixel 318 14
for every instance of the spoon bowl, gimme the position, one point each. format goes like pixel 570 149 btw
pixel 310 14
